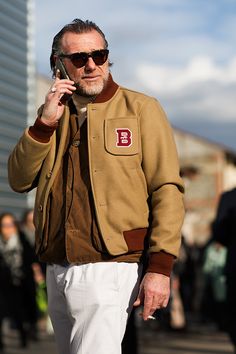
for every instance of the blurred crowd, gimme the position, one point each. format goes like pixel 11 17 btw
pixel 23 300
pixel 203 281
pixel 203 290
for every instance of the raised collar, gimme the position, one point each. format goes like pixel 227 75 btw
pixel 108 92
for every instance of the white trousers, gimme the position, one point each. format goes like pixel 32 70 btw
pixel 89 305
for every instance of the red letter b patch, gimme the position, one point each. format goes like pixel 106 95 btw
pixel 124 137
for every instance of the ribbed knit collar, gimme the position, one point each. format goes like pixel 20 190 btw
pixel 108 91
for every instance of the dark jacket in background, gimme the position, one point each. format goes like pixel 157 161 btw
pixel 224 229
pixel 17 296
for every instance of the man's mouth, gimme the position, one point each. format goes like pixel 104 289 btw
pixel 90 78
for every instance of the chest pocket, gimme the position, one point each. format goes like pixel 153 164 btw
pixel 122 136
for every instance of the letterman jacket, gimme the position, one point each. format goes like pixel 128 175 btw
pixel 134 172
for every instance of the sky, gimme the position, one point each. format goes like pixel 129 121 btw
pixel 183 52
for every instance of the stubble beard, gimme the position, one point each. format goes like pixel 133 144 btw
pixel 93 89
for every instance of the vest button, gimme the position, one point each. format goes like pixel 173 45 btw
pixel 75 143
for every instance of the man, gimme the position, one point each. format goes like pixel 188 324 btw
pixel 105 166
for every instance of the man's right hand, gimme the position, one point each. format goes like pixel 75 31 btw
pixel 53 107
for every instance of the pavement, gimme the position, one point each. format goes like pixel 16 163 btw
pixel 201 339
pixel 45 345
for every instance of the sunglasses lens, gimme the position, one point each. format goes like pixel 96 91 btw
pixel 99 56
pixel 79 59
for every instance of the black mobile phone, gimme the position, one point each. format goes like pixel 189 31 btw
pixel 63 75
pixel 61 67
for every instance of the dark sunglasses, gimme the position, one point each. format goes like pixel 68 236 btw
pixel 80 59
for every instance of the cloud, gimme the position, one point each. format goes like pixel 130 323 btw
pixel 200 90
pixel 199 70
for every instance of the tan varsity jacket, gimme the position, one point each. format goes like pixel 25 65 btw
pixel 134 172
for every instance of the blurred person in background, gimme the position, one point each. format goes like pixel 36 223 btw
pixel 17 290
pixel 224 232
pixel 39 268
pixel 177 311
pixel 185 273
pixel 214 288
pixel 41 296
pixel 27 226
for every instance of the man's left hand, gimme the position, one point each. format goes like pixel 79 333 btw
pixel 153 294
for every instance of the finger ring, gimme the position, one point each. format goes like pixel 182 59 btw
pixel 53 89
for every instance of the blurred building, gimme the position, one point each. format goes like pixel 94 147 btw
pixel 43 84
pixel 17 93
pixel 208 170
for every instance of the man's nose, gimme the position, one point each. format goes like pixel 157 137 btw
pixel 90 65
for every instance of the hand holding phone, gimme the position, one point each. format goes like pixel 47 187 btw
pixel 63 75
pixel 61 91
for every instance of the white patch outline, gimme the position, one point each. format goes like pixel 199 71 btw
pixel 117 138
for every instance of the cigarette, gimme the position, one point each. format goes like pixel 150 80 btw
pixel 151 317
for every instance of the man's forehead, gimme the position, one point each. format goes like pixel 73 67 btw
pixel 82 41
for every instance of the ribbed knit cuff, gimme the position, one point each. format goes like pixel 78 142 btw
pixel 41 132
pixel 160 262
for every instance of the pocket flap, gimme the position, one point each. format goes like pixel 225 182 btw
pixel 122 136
